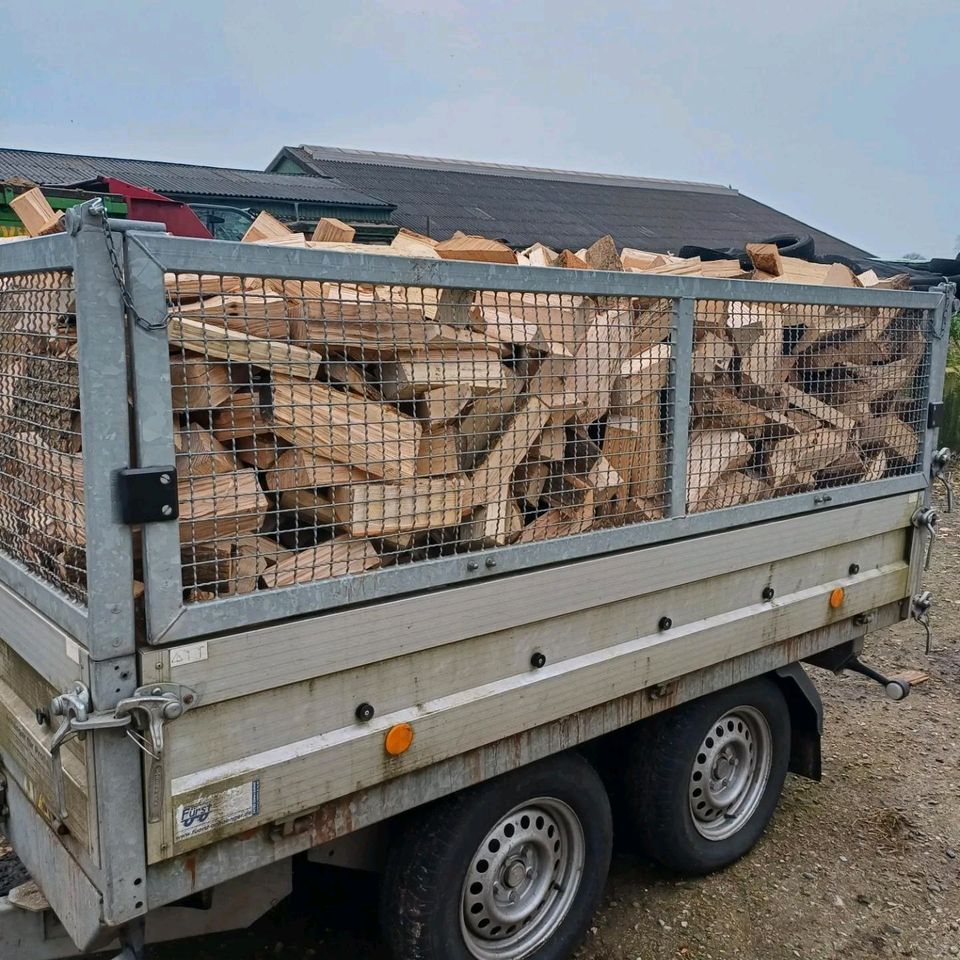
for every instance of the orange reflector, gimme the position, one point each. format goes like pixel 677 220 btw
pixel 399 739
pixel 836 597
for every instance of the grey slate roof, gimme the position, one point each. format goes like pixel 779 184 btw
pixel 182 179
pixel 559 208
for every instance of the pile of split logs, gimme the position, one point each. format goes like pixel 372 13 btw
pixel 323 428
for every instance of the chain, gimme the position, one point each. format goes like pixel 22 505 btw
pixel 132 311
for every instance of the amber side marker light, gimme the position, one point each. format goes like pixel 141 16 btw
pixel 837 597
pixel 399 739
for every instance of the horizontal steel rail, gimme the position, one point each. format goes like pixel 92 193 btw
pixel 294 263
pixel 55 252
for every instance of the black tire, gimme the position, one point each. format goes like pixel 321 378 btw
pixel 664 756
pixel 790 245
pixel 423 896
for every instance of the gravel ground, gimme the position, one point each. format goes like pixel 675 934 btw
pixel 865 864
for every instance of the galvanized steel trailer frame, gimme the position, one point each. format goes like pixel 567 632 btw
pixel 398 613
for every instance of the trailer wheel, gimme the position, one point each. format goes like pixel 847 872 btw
pixel 704 778
pixel 510 870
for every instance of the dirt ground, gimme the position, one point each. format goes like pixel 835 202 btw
pixel 865 864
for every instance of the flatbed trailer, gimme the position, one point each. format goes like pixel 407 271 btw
pixel 456 719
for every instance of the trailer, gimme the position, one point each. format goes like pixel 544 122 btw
pixel 207 674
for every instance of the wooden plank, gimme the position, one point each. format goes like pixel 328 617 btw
pixel 221 343
pixel 341 426
pixel 330 229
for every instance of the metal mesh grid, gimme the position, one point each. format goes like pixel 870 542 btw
pixel 41 468
pixel 787 399
pixel 325 429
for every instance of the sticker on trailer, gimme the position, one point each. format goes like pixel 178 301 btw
pixel 193 653
pixel 217 810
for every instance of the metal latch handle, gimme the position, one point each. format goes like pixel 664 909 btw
pixel 927 519
pixel 938 471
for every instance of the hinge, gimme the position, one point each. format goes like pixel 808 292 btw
pixel 142 715
pixel 935 415
pixel 148 494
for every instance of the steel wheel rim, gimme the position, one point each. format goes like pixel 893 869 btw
pixel 522 880
pixel 730 773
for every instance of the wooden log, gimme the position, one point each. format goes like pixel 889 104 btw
pixel 723 269
pixel 386 510
pixel 732 489
pixel 805 454
pixel 340 426
pixel 349 375
pixel 529 479
pixel 602 255
pixel 640 260
pixel 712 360
pixel 36 214
pixel 439 451
pixel 263 315
pixel 799 400
pixel 598 361
pixel 639 376
pixel 258 451
pixel 711 454
pixel 266 228
pixel 898 440
pixel 183 288
pixel 243 416
pixel 485 418
pixel 199 384
pixel 200 454
pixel 335 558
pixel 221 506
pixel 443 404
pixel 299 469
pixel 571 261
pixel 222 343
pixel 558 523
pixel 476 248
pixel 408 379
pixel 538 255
pixel 633 446
pixel 494 524
pixel 766 257
pixel 495 471
pixel 330 229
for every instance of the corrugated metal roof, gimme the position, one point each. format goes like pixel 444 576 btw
pixel 523 205
pixel 60 169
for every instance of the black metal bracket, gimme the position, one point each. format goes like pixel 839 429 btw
pixel 148 494
pixel 935 415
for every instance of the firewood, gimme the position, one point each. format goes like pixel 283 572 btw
pixel 199 384
pixel 891 435
pixel 243 416
pixel 220 506
pixel 766 257
pixel 263 315
pixel 439 451
pixel 200 454
pixel 384 510
pixel 634 448
pixel 476 248
pixel 539 256
pixel 331 229
pixel 372 437
pixel 640 376
pixel 453 307
pixel 811 405
pixel 571 261
pixel 558 523
pixel 485 418
pixel 258 450
pixel 443 404
pixel 410 378
pixel 222 343
pixel 732 489
pixel 598 362
pixel 712 359
pixel 266 227
pixel 494 524
pixel 711 454
pixel 336 558
pixel 640 260
pixel 602 255
pixel 299 469
pixel 36 214
pixel 719 269
pixel 805 454
pixel 529 479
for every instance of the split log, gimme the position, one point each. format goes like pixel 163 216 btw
pixel 766 257
pixel 266 228
pixel 336 558
pixel 36 214
pixel 891 435
pixel 633 446
pixel 330 229
pixel 476 248
pixel 386 510
pixel 711 454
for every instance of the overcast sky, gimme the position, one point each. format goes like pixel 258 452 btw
pixel 842 114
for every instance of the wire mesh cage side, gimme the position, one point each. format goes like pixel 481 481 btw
pixel 790 398
pixel 325 429
pixel 41 467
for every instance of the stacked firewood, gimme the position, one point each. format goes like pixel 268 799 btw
pixel 324 428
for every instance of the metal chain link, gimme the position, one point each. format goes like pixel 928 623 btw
pixel 139 319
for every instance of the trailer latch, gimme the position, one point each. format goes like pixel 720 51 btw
pixel 926 518
pixel 148 494
pixel 938 471
pixel 142 715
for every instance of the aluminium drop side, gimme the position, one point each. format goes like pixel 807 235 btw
pixel 257 750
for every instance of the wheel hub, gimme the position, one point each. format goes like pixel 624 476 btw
pixel 522 880
pixel 730 772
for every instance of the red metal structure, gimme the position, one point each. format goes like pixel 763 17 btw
pixel 144 204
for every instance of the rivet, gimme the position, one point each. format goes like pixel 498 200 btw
pixel 491 563
pixel 472 565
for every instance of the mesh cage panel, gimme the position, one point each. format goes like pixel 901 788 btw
pixel 325 429
pixel 788 398
pixel 41 468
